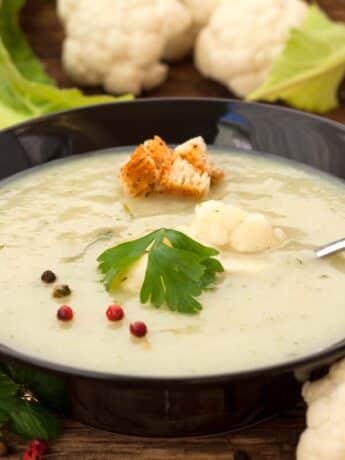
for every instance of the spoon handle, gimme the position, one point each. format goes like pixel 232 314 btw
pixel 331 248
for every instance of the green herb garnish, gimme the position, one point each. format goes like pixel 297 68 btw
pixel 179 268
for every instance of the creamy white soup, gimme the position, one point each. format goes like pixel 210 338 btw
pixel 267 308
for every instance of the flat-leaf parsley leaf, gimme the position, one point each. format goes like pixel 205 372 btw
pixel 178 270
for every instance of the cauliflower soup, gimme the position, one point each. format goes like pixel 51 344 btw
pixel 268 306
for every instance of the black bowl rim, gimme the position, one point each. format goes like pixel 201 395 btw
pixel 164 100
pixel 334 351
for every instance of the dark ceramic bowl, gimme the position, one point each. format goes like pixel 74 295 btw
pixel 178 406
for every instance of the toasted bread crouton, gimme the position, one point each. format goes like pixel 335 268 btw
pixel 140 174
pixel 158 150
pixel 184 179
pixel 154 167
pixel 195 152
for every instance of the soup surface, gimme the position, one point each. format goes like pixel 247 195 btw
pixel 267 308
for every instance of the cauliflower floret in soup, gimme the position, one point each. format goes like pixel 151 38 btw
pixel 214 222
pixel 229 227
pixel 254 234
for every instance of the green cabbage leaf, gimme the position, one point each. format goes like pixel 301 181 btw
pixel 310 69
pixel 26 91
pixel 15 42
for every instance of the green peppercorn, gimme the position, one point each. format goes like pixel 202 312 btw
pixel 62 290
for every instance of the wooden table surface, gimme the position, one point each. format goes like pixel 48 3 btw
pixel 273 440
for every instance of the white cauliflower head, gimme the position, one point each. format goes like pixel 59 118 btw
pixel 66 8
pixel 181 44
pixel 324 437
pixel 244 38
pixel 119 44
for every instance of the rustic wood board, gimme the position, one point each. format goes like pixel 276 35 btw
pixel 272 440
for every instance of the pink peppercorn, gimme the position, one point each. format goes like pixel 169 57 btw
pixel 65 313
pixel 138 329
pixel 115 313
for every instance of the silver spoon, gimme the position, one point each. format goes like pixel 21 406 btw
pixel 330 248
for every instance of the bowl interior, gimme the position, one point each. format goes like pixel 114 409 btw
pixel 227 124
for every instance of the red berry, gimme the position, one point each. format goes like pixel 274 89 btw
pixel 138 329
pixel 36 450
pixel 29 454
pixel 65 313
pixel 39 445
pixel 115 313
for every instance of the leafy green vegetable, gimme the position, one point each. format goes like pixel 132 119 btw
pixel 24 416
pixel 310 69
pixel 177 272
pixel 8 387
pixel 25 91
pixel 3 420
pixel 21 99
pixel 48 388
pixel 31 421
pixel 15 42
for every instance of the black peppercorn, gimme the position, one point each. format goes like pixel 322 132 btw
pixel 48 276
pixel 240 455
pixel 62 290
